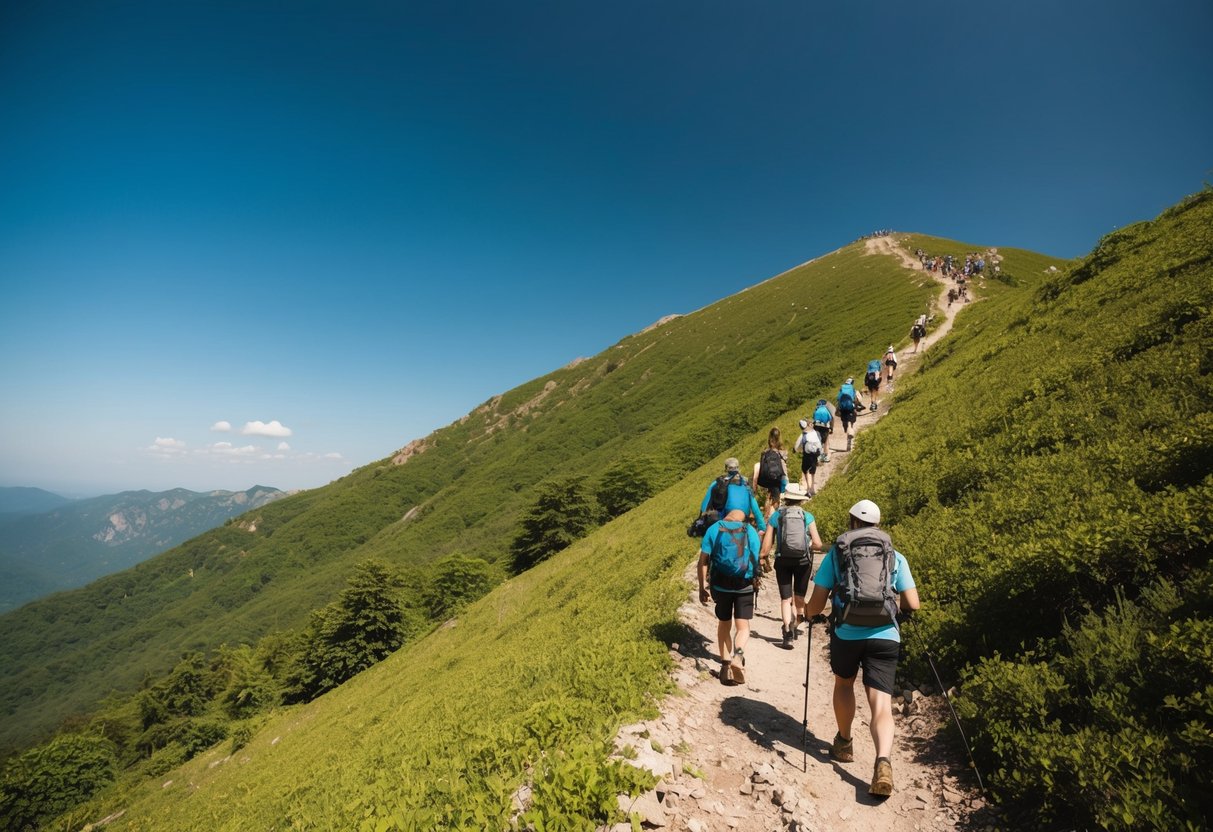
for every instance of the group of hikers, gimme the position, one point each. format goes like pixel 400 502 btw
pixel 883 232
pixel 866 581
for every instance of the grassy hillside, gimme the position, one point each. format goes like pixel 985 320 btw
pixel 670 398
pixel 1057 521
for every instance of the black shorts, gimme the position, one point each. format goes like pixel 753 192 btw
pixel 847 417
pixel 823 432
pixel 773 493
pixel 878 656
pixel 730 605
pixel 872 382
pixel 792 577
pixel 808 463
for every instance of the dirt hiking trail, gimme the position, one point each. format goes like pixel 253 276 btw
pixel 744 741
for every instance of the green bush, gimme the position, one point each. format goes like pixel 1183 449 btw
pixel 51 778
pixel 563 513
pixel 455 582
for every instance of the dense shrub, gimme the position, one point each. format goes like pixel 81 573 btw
pixel 563 512
pixel 51 778
pixel 455 582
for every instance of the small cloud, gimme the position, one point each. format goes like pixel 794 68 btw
pixel 228 449
pixel 284 446
pixel 167 443
pixel 221 426
pixel 274 429
pixel 332 455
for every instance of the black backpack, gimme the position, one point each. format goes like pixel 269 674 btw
pixel 770 469
pixel 864 563
pixel 720 492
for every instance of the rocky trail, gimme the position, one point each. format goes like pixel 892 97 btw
pixel 732 758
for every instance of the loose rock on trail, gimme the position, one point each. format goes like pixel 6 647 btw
pixel 730 757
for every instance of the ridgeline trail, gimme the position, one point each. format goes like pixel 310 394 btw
pixel 745 741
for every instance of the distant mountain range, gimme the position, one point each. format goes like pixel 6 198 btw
pixel 49 543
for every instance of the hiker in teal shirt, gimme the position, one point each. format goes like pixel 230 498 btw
pixel 740 495
pixel 734 596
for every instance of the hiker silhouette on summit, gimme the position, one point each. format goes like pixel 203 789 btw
pixel 871 590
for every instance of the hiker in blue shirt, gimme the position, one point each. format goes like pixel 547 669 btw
pixel 739 494
pixel 823 423
pixel 847 408
pixel 871 380
pixel 875 647
pixel 730 550
pixel 793 558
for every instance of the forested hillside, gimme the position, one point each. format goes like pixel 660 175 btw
pixel 650 409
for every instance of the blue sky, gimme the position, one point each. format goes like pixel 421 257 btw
pixel 354 222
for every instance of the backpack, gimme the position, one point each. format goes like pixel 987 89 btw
pixel 864 562
pixel 793 536
pixel 822 416
pixel 810 442
pixel 720 493
pixel 770 470
pixel 730 558
pixel 846 399
pixel 874 367
pixel 916 331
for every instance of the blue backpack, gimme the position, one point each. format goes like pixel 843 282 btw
pixel 846 398
pixel 874 367
pixel 729 555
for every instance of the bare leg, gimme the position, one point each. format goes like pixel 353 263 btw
pixel 881 704
pixel 724 638
pixel 743 638
pixel 844 705
pixel 785 610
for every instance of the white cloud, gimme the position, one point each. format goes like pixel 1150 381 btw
pixel 274 429
pixel 222 426
pixel 167 443
pixel 228 449
pixel 284 446
pixel 332 455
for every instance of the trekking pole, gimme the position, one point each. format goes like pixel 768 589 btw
pixel 808 658
pixel 964 740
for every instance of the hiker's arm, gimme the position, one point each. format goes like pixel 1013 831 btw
pixel 757 514
pixel 707 498
pixel 814 537
pixel 909 599
pixel 817 601
pixel 703 578
pixel 767 538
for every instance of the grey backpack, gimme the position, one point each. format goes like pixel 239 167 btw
pixel 864 560
pixel 793 536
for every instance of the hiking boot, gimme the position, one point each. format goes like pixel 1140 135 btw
pixel 738 667
pixel 789 634
pixel 844 750
pixel 726 673
pixel 882 778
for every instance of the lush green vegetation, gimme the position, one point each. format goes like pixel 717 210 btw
pixel 1048 475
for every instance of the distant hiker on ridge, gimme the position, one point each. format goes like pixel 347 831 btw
pixel 890 364
pixel 847 408
pixel 793 532
pixel 771 471
pixel 809 446
pixel 728 558
pixel 730 492
pixel 865 574
pixel 823 423
pixel 919 330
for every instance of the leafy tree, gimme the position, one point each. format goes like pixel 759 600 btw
pixel 366 623
pixel 563 512
pixel 458 581
pixel 51 778
pixel 250 686
pixel 625 485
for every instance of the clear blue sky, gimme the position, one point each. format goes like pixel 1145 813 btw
pixel 360 220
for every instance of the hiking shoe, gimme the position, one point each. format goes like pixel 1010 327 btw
pixel 844 750
pixel 738 668
pixel 882 778
pixel 726 674
pixel 789 634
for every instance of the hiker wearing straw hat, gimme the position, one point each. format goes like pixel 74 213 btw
pixel 792 532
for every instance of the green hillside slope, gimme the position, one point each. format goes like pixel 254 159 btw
pixel 669 398
pixel 1019 470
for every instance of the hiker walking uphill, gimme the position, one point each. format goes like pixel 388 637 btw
pixel 890 364
pixel 871 591
pixel 727 493
pixel 847 407
pixel 919 330
pixel 823 423
pixel 771 471
pixel 728 563
pixel 792 533
pixel 809 446
pixel 871 381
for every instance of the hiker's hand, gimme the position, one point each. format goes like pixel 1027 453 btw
pixel 704 595
pixel 904 616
